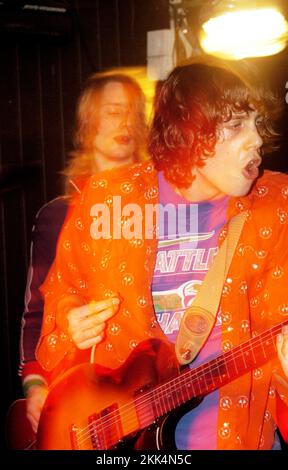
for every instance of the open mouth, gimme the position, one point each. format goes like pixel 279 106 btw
pixel 122 139
pixel 251 170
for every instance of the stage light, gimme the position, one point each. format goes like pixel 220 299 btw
pixel 231 32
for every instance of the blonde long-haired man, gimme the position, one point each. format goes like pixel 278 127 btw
pixel 110 131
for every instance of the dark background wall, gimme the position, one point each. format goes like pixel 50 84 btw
pixel 40 79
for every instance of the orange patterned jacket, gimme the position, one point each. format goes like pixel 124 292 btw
pixel 255 294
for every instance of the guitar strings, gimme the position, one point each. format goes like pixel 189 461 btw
pixel 109 417
pixel 83 434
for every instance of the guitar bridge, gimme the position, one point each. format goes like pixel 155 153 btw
pixel 74 437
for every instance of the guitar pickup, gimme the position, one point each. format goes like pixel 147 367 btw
pixel 105 428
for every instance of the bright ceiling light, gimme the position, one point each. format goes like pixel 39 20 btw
pixel 245 33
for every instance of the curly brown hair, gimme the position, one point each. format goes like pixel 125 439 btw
pixel 192 103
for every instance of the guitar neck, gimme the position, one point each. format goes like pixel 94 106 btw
pixel 215 373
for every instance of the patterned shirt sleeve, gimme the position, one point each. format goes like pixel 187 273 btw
pixel 48 223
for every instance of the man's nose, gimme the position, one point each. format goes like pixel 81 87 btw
pixel 127 119
pixel 255 140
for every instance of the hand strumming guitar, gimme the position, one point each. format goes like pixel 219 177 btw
pixel 86 324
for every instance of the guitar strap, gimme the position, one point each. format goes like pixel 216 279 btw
pixel 199 318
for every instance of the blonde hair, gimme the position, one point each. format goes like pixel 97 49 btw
pixel 82 161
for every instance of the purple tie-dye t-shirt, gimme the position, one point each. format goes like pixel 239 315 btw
pixel 186 248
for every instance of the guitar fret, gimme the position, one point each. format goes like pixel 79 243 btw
pixel 201 379
pixel 162 404
pixel 235 364
pixel 190 387
pixel 188 390
pixel 217 366
pixel 243 356
pixel 164 398
pixel 263 349
pixel 226 373
pixel 206 385
pixel 183 390
pixel 267 347
pixel 178 398
pixel 254 358
pixel 272 342
pixel 174 398
pixel 196 383
pixel 170 397
pixel 157 404
pixel 249 355
pixel 211 375
pixel 239 358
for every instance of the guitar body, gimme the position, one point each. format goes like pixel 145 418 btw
pixel 19 432
pixel 139 404
pixel 91 407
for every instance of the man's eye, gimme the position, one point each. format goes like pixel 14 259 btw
pixel 234 124
pixel 259 122
pixel 112 111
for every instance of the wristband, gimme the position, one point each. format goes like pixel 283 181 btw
pixel 31 383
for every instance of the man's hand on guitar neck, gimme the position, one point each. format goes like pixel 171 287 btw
pixel 282 348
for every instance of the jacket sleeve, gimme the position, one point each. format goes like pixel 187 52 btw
pixel 63 289
pixel 45 233
pixel 277 277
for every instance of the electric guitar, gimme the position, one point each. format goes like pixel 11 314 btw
pixel 91 407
